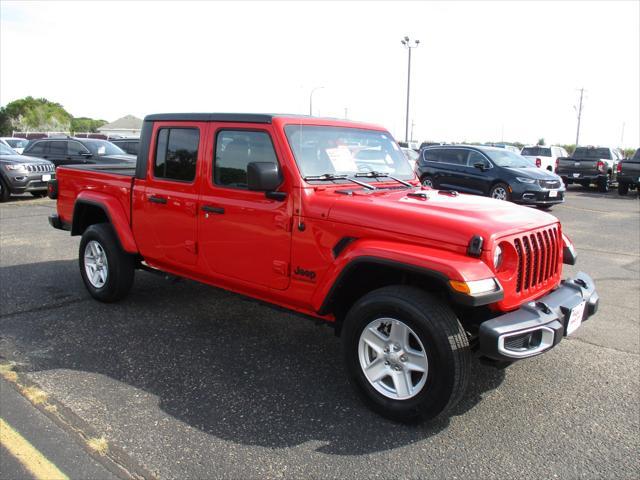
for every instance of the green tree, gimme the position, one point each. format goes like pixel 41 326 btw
pixel 37 114
pixel 628 152
pixel 540 141
pixel 85 124
pixel 5 123
pixel 570 148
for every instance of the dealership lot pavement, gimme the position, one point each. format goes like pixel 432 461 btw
pixel 194 382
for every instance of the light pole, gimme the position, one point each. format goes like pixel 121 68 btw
pixel 407 44
pixel 311 100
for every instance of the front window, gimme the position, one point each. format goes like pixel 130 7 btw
pixel 536 151
pixel 17 142
pixel 4 150
pixel 102 147
pixel 505 158
pixel 321 150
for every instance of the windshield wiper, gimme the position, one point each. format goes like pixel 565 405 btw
pixel 374 174
pixel 331 176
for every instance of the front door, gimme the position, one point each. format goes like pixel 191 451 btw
pixel 165 202
pixel 243 234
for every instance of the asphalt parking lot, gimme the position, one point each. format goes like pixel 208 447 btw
pixel 187 381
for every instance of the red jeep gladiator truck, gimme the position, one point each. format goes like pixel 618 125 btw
pixel 326 218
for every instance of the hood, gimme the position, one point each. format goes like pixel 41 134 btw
pixel 532 172
pixel 21 159
pixel 118 158
pixel 441 217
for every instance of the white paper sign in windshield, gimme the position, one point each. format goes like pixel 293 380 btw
pixel 342 160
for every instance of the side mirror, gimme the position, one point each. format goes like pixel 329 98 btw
pixel 481 166
pixel 264 177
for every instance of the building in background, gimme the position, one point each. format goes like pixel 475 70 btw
pixel 127 126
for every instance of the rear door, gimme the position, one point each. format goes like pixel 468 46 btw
pixel 243 234
pixel 58 152
pixel 165 202
pixel 453 169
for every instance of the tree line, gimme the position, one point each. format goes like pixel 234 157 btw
pixel 41 115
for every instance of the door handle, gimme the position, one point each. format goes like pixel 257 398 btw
pixel 212 209
pixel 154 199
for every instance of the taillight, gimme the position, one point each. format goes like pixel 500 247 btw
pixel 600 165
pixel 619 168
pixel 52 189
pixel 538 162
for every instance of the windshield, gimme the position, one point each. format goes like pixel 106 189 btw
pixel 320 150
pixel 17 142
pixel 4 150
pixel 102 147
pixel 598 153
pixel 505 158
pixel 536 151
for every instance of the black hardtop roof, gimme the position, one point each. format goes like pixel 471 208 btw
pixel 226 117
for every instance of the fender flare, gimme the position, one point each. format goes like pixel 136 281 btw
pixel 114 212
pixel 440 265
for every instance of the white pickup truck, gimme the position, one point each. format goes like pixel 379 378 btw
pixel 545 157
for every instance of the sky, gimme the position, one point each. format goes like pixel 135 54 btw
pixel 484 71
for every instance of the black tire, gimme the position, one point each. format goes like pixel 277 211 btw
pixel 445 344
pixel 120 265
pixel 427 181
pixel 496 189
pixel 4 191
pixel 603 184
pixel 623 188
pixel 546 208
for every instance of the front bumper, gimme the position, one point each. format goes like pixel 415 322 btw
pixel 530 196
pixel 540 325
pixel 31 182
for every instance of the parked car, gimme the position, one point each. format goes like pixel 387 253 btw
pixel 278 209
pixel 16 144
pixel 21 174
pixel 411 155
pixel 628 173
pixel 490 171
pixel 590 165
pixel 75 151
pixel 129 145
pixel 545 157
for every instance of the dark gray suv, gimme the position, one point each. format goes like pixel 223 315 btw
pixel 78 151
pixel 20 174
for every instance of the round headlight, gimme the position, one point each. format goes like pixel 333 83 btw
pixel 497 257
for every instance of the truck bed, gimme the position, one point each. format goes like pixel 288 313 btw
pixel 115 181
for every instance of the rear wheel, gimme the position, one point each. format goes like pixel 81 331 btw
pixel 500 191
pixel 406 353
pixel 623 188
pixel 106 269
pixel 427 181
pixel 603 184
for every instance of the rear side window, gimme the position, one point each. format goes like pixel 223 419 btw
pixel 176 154
pixel 453 156
pixel 234 150
pixel 38 148
pixel 432 155
pixel 58 148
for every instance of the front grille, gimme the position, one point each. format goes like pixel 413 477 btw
pixel 41 167
pixel 549 183
pixel 537 258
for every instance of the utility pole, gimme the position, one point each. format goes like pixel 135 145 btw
pixel 407 44
pixel 622 136
pixel 413 124
pixel 311 100
pixel 579 110
pixel 346 113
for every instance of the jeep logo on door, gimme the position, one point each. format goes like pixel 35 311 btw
pixel 308 274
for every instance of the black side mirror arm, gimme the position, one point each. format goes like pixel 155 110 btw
pixel 279 196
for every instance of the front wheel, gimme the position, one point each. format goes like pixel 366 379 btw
pixel 500 191
pixel 4 191
pixel 106 269
pixel 406 353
